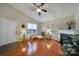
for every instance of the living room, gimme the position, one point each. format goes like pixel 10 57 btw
pixel 39 21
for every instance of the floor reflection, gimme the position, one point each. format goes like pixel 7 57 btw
pixel 48 46
pixel 37 48
pixel 32 47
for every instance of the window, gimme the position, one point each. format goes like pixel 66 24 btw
pixel 32 28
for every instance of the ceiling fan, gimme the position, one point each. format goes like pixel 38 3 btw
pixel 39 8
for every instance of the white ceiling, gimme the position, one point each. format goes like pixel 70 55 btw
pixel 55 10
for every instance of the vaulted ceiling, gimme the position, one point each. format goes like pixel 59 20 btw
pixel 55 10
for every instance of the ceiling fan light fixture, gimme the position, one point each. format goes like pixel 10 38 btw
pixel 38 10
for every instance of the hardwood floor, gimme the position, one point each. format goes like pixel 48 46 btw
pixel 36 48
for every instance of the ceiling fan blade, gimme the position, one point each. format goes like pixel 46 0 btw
pixel 35 4
pixel 42 4
pixel 39 13
pixel 44 10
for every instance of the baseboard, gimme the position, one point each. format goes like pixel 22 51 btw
pixel 9 46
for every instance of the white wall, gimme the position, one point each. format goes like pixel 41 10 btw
pixel 58 24
pixel 77 17
pixel 9 19
pixel 7 31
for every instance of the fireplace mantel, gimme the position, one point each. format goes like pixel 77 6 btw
pixel 66 32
